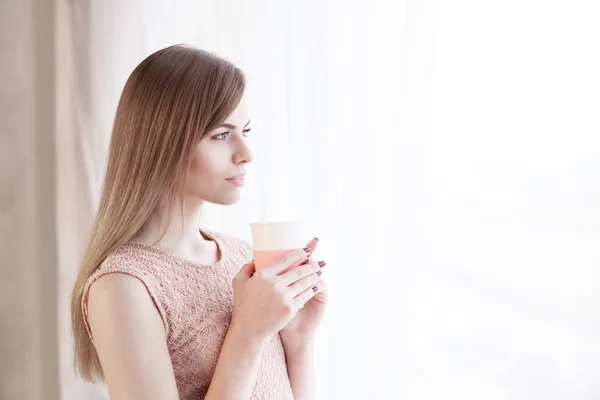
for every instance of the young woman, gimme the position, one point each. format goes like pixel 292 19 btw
pixel 161 308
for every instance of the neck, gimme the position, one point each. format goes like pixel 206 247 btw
pixel 182 234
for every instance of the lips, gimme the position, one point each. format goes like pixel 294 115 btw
pixel 236 178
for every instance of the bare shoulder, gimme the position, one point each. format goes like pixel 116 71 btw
pixel 113 287
pixel 116 297
pixel 130 339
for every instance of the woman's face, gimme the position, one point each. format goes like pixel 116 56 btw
pixel 219 161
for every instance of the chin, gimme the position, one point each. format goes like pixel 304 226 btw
pixel 226 200
pixel 229 202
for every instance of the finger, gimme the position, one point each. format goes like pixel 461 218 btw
pixel 305 283
pixel 248 269
pixel 287 260
pixel 307 268
pixel 322 294
pixel 313 245
pixel 306 295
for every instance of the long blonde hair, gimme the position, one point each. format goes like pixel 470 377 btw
pixel 169 102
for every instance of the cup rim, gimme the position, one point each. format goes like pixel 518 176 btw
pixel 266 223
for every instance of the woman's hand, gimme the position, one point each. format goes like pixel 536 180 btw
pixel 265 301
pixel 304 324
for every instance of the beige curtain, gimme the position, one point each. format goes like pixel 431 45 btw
pixel 28 333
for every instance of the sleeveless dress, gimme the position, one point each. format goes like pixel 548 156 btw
pixel 195 302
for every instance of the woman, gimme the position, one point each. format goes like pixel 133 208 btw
pixel 161 308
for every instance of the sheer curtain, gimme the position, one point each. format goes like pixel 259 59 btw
pixel 327 81
pixel 443 152
pixel 98 45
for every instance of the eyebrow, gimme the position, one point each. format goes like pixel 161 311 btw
pixel 229 126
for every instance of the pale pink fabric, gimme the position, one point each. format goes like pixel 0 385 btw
pixel 195 303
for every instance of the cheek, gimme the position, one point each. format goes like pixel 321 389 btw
pixel 207 166
pixel 200 172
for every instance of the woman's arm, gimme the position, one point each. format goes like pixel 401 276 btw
pixel 301 369
pixel 237 368
pixel 130 339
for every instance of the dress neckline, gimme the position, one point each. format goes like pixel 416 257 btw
pixel 221 250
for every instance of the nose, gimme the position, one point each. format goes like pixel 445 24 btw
pixel 243 153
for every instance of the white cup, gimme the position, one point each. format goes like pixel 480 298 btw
pixel 271 240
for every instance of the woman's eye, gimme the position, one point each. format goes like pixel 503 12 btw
pixel 223 136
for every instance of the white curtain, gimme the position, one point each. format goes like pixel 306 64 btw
pixel 99 43
pixel 443 152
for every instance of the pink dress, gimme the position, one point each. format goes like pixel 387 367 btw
pixel 195 303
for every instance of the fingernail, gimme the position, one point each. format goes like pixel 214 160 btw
pixel 307 249
pixel 315 289
pixel 322 263
pixel 305 262
pixel 317 239
pixel 318 273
